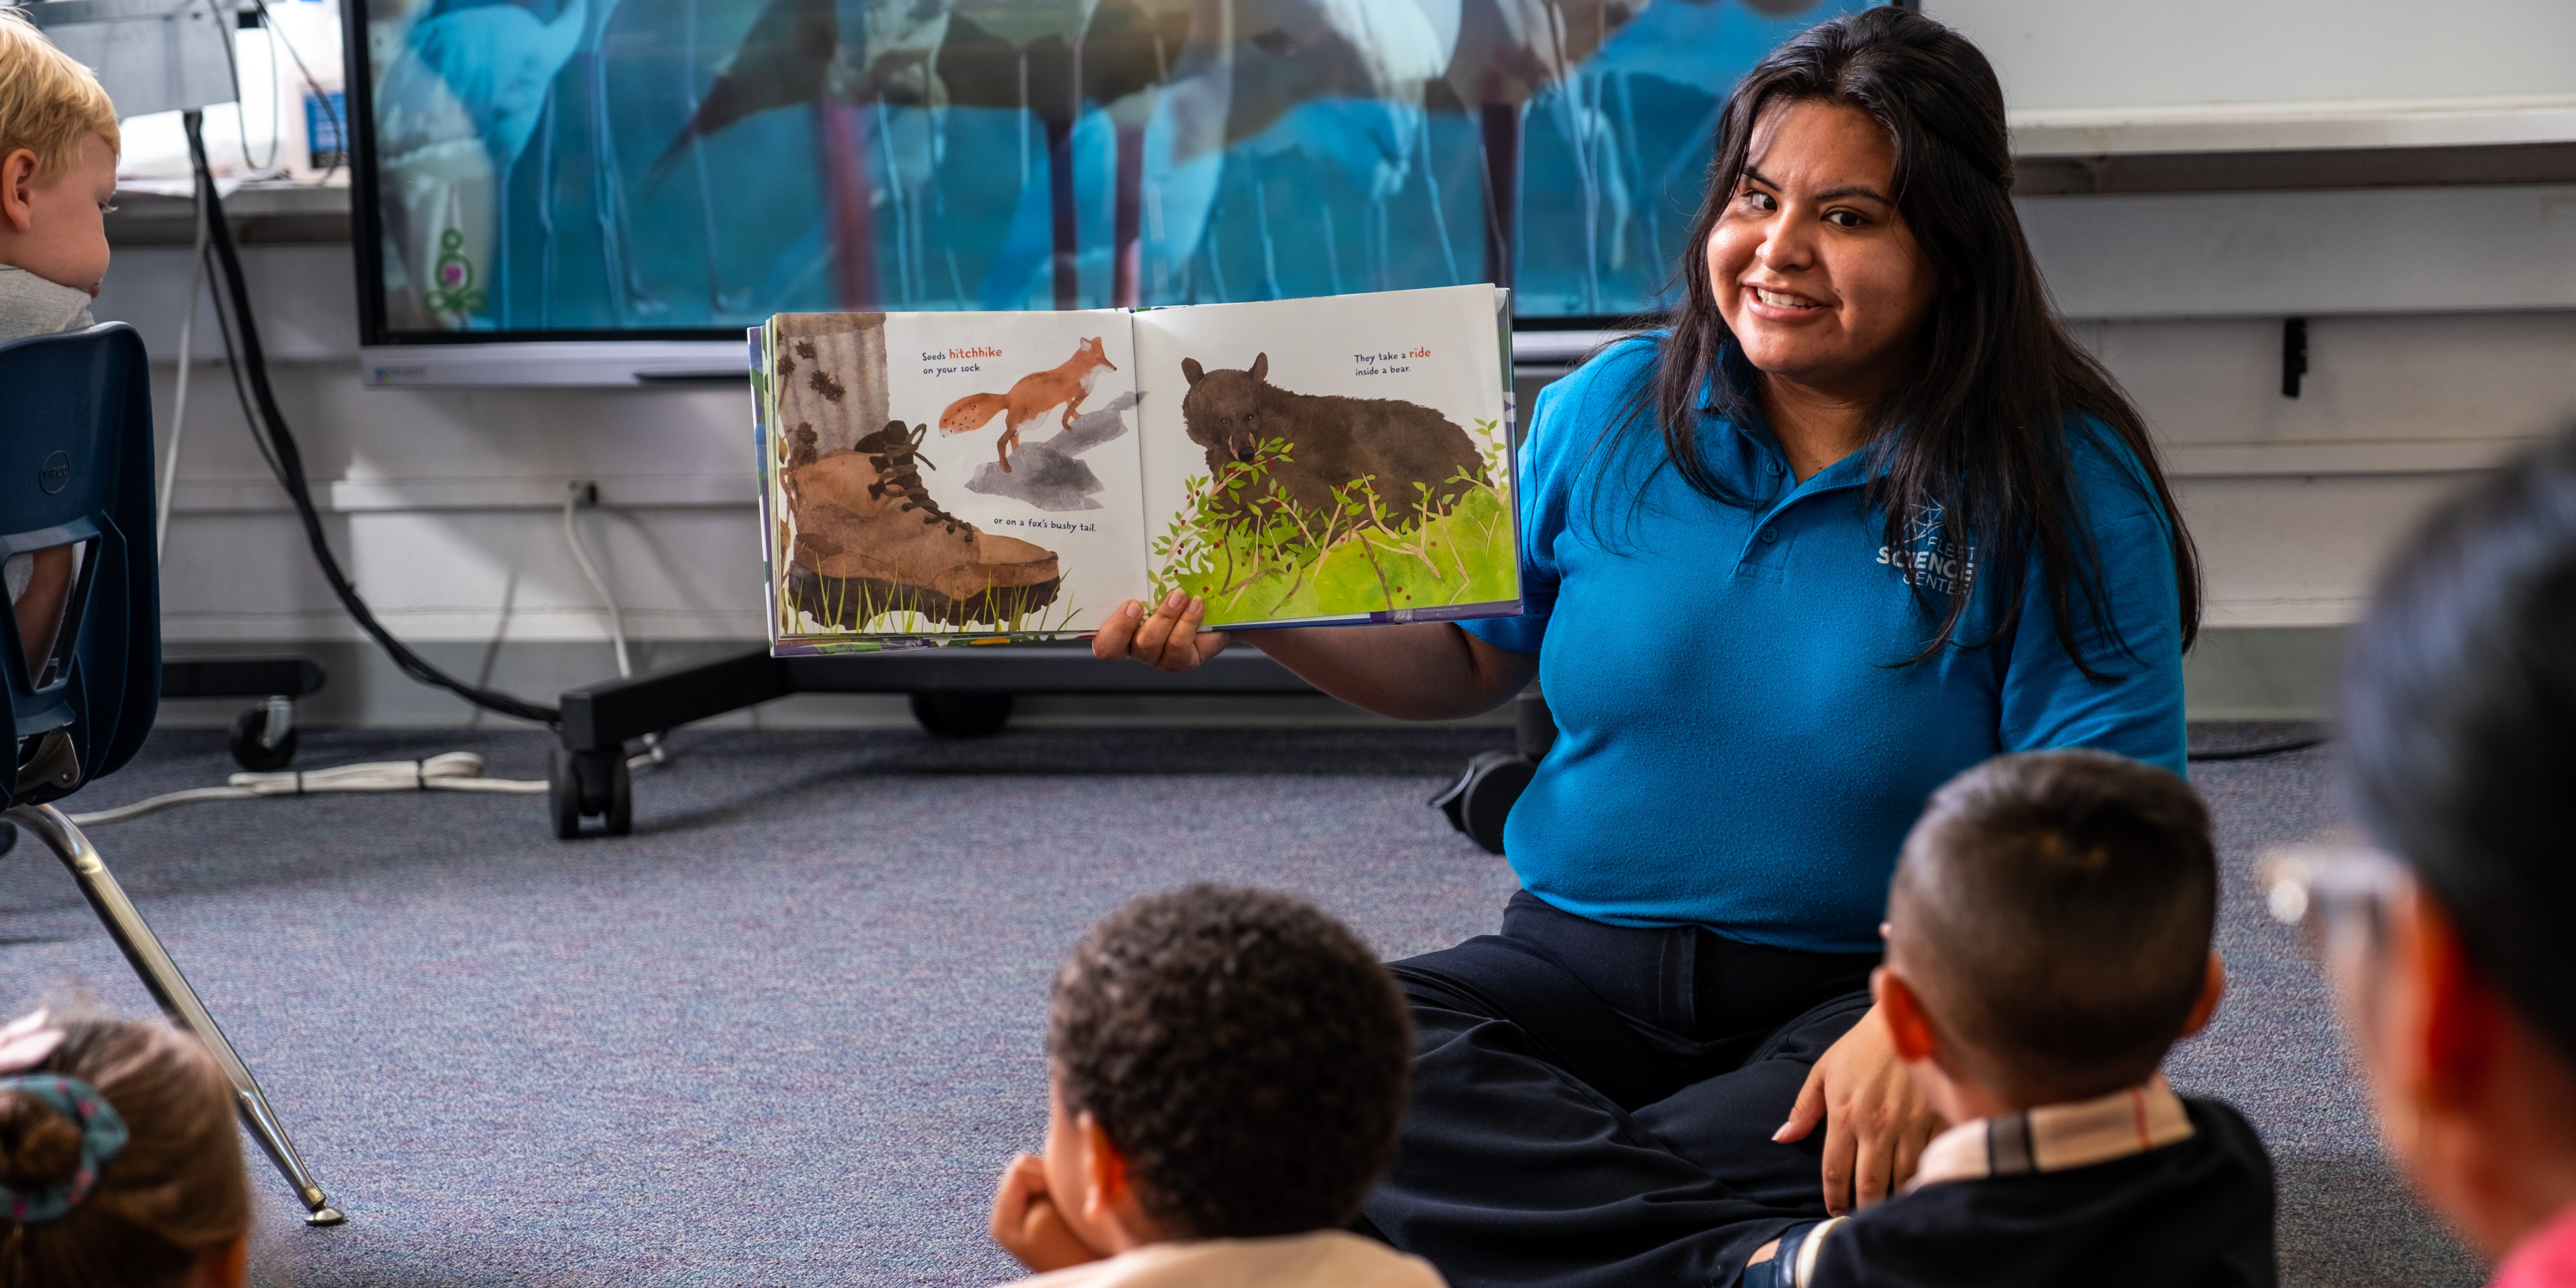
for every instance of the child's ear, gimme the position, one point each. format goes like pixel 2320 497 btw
pixel 1106 1168
pixel 2212 986
pixel 18 190
pixel 1907 1025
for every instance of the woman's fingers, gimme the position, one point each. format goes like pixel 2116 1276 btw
pixel 1187 640
pixel 1810 1109
pixel 1876 1120
pixel 1909 1150
pixel 1117 635
pixel 1168 639
pixel 1873 1162
pixel 1842 1149
pixel 1154 638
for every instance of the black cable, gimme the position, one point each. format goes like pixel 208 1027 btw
pixel 269 426
pixel 339 127
pixel 2257 753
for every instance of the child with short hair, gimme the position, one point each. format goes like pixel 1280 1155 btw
pixel 120 1166
pixel 58 148
pixel 1227 1069
pixel 2047 942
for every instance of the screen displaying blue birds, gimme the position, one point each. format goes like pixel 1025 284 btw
pixel 606 168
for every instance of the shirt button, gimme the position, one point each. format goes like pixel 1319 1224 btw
pixel 1770 536
pixel 1774 467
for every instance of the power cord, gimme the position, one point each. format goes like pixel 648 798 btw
pixel 187 360
pixel 579 496
pixel 339 129
pixel 455 771
pixel 249 365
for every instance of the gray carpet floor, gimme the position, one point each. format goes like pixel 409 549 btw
pixel 786 1032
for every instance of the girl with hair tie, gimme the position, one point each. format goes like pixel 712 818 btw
pixel 120 1165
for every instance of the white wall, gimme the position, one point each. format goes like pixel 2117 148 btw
pixel 2116 53
pixel 2442 327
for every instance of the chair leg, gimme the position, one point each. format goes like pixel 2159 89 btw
pixel 170 989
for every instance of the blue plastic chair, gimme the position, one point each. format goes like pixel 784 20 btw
pixel 81 643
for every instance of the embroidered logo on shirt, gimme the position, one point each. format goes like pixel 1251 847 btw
pixel 1935 560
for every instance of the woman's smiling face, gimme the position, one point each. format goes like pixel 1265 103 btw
pixel 1814 270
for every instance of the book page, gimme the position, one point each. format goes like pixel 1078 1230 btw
pixel 944 474
pixel 1332 459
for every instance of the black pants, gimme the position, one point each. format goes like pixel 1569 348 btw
pixel 1593 1105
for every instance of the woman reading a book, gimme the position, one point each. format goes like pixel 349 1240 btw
pixel 1860 516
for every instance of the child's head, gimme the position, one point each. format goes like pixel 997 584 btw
pixel 58 145
pixel 168 1205
pixel 2048 928
pixel 1242 1055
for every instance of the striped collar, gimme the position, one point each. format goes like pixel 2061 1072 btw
pixel 2054 1138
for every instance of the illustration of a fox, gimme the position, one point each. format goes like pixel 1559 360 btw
pixel 1032 396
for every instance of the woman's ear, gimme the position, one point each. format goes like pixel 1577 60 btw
pixel 18 191
pixel 2213 985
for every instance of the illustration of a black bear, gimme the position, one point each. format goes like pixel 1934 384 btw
pixel 1332 440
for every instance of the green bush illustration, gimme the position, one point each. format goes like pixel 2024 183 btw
pixel 1244 546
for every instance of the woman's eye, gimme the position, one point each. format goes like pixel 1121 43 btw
pixel 1759 200
pixel 1844 218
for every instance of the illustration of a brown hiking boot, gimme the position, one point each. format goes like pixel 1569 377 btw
pixel 871 541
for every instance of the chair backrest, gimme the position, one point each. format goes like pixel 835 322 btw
pixel 76 517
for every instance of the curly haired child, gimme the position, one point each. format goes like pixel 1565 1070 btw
pixel 1228 1068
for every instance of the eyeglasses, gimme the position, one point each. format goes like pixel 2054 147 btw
pixel 2337 894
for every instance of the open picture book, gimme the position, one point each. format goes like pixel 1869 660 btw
pixel 930 477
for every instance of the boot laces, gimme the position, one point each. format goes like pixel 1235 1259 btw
pixel 897 457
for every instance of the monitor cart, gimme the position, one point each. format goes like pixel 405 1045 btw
pixel 960 691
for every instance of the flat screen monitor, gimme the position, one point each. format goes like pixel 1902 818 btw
pixel 607 191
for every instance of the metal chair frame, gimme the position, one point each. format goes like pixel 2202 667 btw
pixel 80 413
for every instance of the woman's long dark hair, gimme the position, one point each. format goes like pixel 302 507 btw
pixel 1982 430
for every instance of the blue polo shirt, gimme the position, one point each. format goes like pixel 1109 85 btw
pixel 1740 745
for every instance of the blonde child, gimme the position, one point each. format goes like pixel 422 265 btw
pixel 120 1166
pixel 58 147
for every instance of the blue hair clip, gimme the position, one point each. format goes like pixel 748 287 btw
pixel 102 1136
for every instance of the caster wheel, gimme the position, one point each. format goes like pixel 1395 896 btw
pixel 247 751
pixel 962 715
pixel 621 795
pixel 563 795
pixel 1481 799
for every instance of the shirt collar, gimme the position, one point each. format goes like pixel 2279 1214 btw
pixel 2055 1138
pixel 1747 420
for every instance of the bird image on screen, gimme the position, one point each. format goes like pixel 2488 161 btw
pixel 681 169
